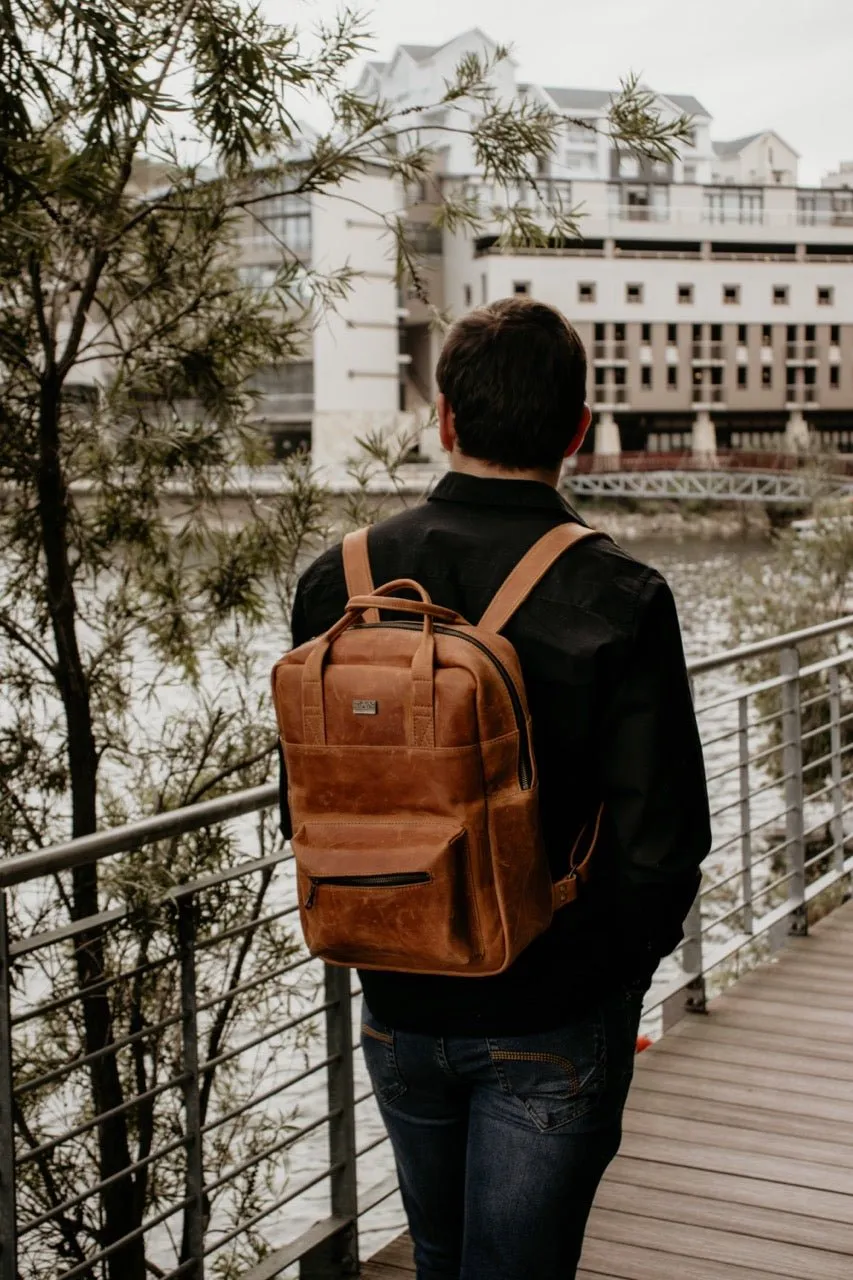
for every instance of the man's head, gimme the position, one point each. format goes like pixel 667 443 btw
pixel 512 383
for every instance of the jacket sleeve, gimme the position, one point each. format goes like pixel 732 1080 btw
pixel 654 791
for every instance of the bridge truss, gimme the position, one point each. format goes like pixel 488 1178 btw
pixel 784 488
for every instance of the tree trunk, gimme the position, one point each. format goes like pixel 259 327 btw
pixel 117 1201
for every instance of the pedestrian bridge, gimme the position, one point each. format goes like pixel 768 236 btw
pixel 733 476
pixel 181 1094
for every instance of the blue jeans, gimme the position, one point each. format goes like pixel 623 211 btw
pixel 501 1142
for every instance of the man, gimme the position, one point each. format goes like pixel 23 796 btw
pixel 503 1096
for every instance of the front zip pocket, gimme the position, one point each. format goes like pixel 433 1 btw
pixel 388 894
pixel 390 881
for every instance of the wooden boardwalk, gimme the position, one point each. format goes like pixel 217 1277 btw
pixel 737 1160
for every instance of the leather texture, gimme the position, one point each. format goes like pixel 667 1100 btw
pixel 412 783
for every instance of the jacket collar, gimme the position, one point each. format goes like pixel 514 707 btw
pixel 479 491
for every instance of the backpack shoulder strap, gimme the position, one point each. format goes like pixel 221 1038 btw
pixel 357 570
pixel 530 570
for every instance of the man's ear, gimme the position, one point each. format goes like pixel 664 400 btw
pixel 580 434
pixel 446 423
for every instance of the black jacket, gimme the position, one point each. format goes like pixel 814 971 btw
pixel 602 657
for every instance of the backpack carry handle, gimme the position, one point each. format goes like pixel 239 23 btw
pixel 422 724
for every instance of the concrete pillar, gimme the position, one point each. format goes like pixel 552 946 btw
pixel 704 436
pixel 608 442
pixel 797 434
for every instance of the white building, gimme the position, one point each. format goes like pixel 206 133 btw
pixel 715 296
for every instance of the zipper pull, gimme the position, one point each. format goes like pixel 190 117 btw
pixel 312 893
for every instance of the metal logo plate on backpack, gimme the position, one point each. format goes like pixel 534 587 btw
pixel 365 707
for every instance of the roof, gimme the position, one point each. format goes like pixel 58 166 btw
pixel 598 99
pixel 420 52
pixel 378 67
pixel 579 99
pixel 684 102
pixel 734 146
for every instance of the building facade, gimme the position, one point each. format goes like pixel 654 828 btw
pixel 714 294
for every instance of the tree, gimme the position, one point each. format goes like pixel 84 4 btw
pixel 127 349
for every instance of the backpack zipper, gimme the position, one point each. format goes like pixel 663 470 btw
pixel 525 750
pixel 390 880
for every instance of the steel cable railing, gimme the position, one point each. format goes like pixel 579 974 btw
pixel 241 1083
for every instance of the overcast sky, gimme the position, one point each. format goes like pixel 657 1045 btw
pixel 754 64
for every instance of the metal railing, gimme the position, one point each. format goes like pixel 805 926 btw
pixel 250 1137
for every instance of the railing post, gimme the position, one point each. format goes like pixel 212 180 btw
pixel 693 960
pixel 338 1257
pixel 192 1245
pixel 8 1224
pixel 792 737
pixel 836 825
pixel 745 814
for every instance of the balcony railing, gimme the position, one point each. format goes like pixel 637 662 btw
pixel 282 1164
pixel 707 352
pixel 801 353
pixel 708 395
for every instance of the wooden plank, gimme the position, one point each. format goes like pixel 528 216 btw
pixel 713 1050
pixel 731 1188
pixel 394 1260
pixel 791 1172
pixel 730 1214
pixel 710 1244
pixel 748 1119
pixel 827 1021
pixel 815 993
pixel 752 1016
pixel 818 1150
pixel 721 1029
pixel 623 1262
pixel 749 1094
pixel 751 1074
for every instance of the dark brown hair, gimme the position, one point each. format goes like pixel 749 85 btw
pixel 514 373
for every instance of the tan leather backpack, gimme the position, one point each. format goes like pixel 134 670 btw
pixel 412 783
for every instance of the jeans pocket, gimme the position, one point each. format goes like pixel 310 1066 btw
pixel 558 1076
pixel 377 1043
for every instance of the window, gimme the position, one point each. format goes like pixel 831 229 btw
pixel 791 375
pixel 685 293
pixel 468 295
pixel 835 375
pixel 835 334
pixel 646 375
pixel 716 333
pixel 484 288
pixel 672 334
pixel 742 376
pixel 690 173
pixel 282 219
pixel 620 375
pixel 697 333
pixel 586 293
pixel 672 376
pixel 811 333
pixel 767 335
pixel 633 293
pixel 599 375
pixel 646 333
pixel 600 332
pixel 619 333
pixel 791 333
pixel 742 335
pixel 521 287
pixel 780 295
pixel 767 375
pixel 731 294
pixel 826 297
pixel 734 204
